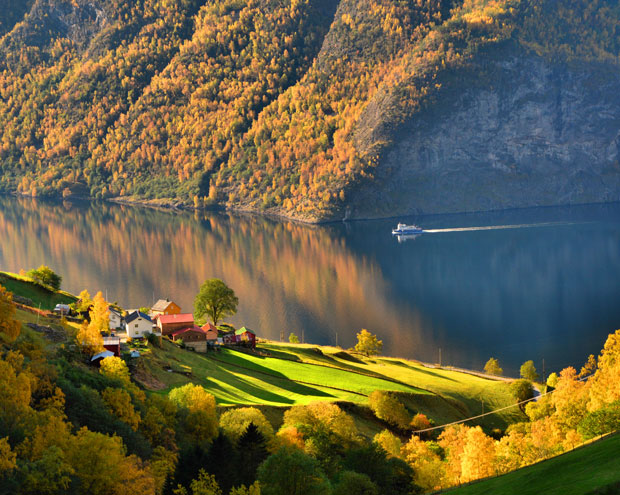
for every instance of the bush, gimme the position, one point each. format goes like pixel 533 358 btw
pixel 388 408
pixel 522 390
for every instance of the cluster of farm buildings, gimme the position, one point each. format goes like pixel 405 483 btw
pixel 166 319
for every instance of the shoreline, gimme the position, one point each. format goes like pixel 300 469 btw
pixel 178 206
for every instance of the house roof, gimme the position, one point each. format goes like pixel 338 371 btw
pixel 243 330
pixel 161 305
pixel 209 327
pixel 135 315
pixel 112 310
pixel 179 318
pixel 102 355
pixel 195 328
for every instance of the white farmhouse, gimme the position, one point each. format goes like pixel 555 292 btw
pixel 137 324
pixel 116 319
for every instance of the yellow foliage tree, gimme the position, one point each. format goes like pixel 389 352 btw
pixel 389 408
pixel 101 466
pixel 291 437
pixel 511 452
pixel 427 465
pixel 118 402
pixel 235 421
pixel 604 385
pixel 115 368
pixel 84 301
pixel 202 418
pixel 322 418
pixel 9 327
pixel 477 460
pixel 388 442
pixel 453 440
pixel 89 339
pixel 368 344
pixel 100 314
pixel 8 458
pixel 570 399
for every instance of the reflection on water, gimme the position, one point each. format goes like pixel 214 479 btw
pixel 529 293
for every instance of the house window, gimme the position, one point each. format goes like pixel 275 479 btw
pixel 136 325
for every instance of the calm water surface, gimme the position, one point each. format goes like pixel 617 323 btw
pixel 548 287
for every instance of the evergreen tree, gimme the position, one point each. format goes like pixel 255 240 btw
pixel 222 461
pixel 252 448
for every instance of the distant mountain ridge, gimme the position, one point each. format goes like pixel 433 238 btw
pixel 312 109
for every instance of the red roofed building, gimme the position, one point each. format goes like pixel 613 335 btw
pixel 211 331
pixel 112 344
pixel 193 337
pixel 171 323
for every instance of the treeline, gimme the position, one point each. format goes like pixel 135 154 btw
pixel 276 105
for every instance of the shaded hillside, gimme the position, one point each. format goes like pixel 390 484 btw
pixel 313 109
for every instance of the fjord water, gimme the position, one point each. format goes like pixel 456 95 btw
pixel 544 285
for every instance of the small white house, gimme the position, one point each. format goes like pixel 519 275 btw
pixel 62 309
pixel 138 324
pixel 116 319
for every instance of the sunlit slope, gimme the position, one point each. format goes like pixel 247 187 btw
pixel 580 472
pixel 289 375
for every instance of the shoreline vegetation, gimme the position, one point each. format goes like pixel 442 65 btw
pixel 393 425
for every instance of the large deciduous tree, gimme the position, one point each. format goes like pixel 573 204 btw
pixel 215 300
pixel 528 371
pixel 45 275
pixel 368 344
pixel 493 368
pixel 522 390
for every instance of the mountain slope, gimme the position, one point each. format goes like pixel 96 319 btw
pixel 312 109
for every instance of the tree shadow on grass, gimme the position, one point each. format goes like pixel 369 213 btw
pixel 273 378
pixel 233 358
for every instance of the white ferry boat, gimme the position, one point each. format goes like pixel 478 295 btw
pixel 402 229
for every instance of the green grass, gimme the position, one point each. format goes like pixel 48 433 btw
pixel 292 375
pixel 25 287
pixel 578 472
pixel 237 378
pixel 463 395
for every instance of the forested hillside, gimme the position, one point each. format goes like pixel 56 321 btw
pixel 309 108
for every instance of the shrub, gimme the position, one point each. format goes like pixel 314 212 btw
pixel 388 408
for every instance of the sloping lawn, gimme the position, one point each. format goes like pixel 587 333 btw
pixel 237 378
pixel 38 294
pixel 469 394
pixel 579 472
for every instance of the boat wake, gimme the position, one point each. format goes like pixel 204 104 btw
pixel 497 227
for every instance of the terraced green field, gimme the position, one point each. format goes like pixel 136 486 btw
pixel 283 375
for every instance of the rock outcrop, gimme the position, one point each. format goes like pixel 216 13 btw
pixel 514 130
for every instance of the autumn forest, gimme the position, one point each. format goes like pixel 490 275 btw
pixel 269 105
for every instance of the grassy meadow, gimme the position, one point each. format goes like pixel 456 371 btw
pixel 47 298
pixel 282 375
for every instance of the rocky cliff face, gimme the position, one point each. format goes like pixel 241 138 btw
pixel 514 130
pixel 77 20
